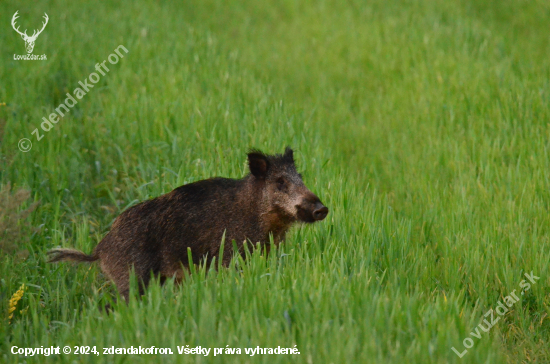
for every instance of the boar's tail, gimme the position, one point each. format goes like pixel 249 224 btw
pixel 62 255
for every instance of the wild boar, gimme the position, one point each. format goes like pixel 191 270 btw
pixel 154 235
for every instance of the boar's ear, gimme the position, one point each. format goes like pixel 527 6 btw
pixel 258 163
pixel 289 155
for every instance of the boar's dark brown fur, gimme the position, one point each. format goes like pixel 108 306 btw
pixel 154 235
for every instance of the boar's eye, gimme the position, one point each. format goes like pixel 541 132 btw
pixel 280 183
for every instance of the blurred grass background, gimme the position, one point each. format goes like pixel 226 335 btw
pixel 423 125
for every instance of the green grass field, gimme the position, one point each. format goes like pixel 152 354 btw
pixel 423 125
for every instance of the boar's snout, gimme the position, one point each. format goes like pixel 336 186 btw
pixel 311 209
pixel 320 212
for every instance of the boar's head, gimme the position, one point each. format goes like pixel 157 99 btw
pixel 283 189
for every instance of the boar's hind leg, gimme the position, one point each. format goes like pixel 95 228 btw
pixel 120 275
pixel 120 256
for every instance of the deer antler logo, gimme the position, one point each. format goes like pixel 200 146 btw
pixel 29 41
